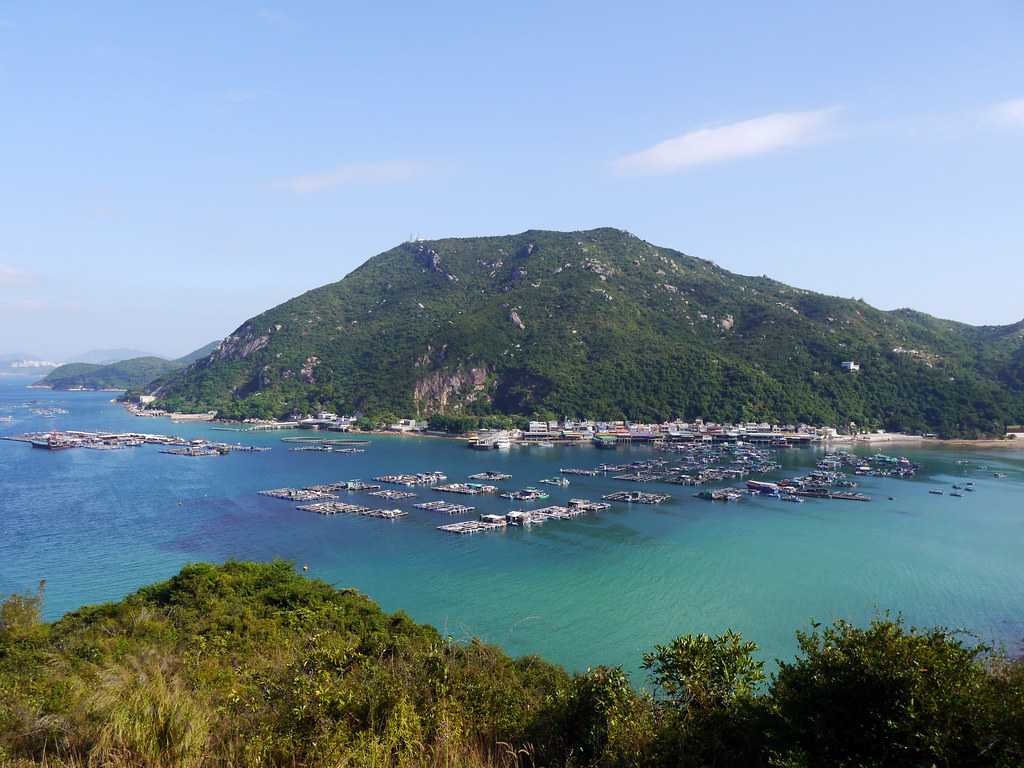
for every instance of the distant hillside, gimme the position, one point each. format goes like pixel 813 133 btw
pixel 601 323
pixel 108 356
pixel 125 374
pixel 136 372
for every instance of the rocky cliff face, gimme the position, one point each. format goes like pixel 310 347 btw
pixel 441 391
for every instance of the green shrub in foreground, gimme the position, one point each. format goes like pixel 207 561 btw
pixel 252 664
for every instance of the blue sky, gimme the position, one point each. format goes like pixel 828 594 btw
pixel 167 173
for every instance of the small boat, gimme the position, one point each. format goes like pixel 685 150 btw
pixel 999 475
pixel 957 494
pixel 791 498
pixel 969 488
pixel 561 482
pixel 957 488
pixel 936 492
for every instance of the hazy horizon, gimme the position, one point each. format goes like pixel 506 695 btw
pixel 171 172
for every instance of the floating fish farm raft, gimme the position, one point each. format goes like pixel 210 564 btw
pixel 520 517
pixel 526 494
pixel 297 494
pixel 637 497
pixel 468 489
pixel 393 495
pixel 681 465
pixel 445 507
pixel 419 478
pixel 341 508
pixel 327 449
pixel 492 476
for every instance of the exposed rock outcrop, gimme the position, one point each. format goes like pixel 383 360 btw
pixel 440 390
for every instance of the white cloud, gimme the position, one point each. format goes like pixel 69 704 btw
pixel 1008 113
pixel 389 172
pixel 781 130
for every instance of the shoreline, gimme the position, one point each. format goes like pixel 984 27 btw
pixel 870 439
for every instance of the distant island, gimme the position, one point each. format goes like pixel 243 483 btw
pixel 119 374
pixel 601 324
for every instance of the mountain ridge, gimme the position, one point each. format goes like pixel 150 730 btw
pixel 601 323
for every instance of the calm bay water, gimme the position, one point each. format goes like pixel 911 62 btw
pixel 601 589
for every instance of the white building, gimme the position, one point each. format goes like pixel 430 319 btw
pixel 850 365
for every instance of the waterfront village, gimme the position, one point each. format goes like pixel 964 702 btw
pixel 565 431
pixel 605 433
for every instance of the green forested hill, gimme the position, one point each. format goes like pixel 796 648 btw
pixel 135 372
pixel 602 324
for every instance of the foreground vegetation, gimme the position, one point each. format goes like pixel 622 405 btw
pixel 600 324
pixel 251 664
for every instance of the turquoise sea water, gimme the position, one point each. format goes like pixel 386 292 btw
pixel 601 589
